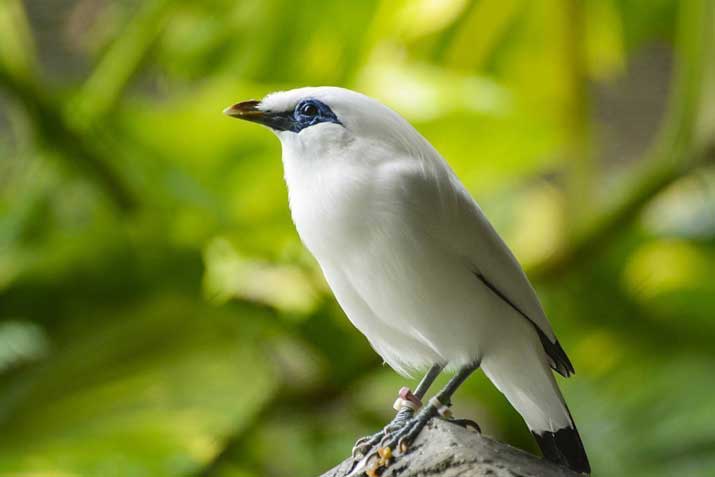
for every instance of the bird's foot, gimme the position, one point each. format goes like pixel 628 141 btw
pixel 392 443
pixel 398 441
pixel 380 450
pixel 365 444
pixel 405 405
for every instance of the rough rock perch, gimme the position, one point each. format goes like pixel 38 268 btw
pixel 448 450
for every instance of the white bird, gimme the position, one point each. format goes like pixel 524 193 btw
pixel 414 263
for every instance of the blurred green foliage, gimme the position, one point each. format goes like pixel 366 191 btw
pixel 158 314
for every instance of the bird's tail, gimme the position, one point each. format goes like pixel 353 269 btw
pixel 564 447
pixel 530 387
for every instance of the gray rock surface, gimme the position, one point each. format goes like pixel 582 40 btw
pixel 444 449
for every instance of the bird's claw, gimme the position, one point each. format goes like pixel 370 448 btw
pixel 361 441
pixel 467 424
pixel 363 445
pixel 403 445
pixel 385 439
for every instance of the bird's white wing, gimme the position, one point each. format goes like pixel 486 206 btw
pixel 463 228
pixel 499 270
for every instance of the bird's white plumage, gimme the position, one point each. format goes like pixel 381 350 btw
pixel 400 242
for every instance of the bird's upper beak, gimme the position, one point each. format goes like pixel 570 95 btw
pixel 249 111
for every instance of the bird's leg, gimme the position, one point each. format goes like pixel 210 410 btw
pixel 406 412
pixel 403 416
pixel 438 405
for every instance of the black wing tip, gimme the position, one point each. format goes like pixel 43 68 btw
pixel 564 447
pixel 560 361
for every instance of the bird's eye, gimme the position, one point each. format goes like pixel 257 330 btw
pixel 309 109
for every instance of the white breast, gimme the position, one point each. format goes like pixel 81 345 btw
pixel 332 198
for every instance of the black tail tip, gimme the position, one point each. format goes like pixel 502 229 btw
pixel 564 447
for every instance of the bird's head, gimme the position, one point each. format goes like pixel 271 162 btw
pixel 315 120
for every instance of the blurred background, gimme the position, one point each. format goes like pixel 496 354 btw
pixel 159 316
